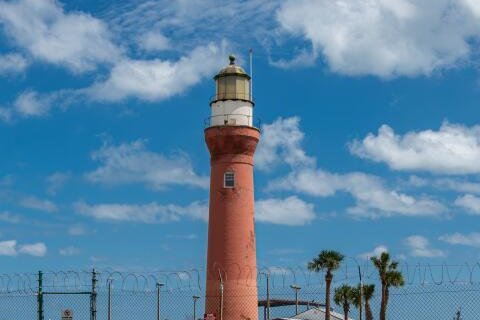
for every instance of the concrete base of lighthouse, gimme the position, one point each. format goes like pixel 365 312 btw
pixel 231 288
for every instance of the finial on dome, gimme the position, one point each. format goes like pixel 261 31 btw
pixel 232 59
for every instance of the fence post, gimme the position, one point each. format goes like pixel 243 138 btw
pixel 40 295
pixel 109 299
pixel 159 285
pixel 195 298
pixel 93 297
pixel 268 296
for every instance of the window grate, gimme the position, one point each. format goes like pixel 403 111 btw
pixel 229 179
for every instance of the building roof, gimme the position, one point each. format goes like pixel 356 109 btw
pixel 315 314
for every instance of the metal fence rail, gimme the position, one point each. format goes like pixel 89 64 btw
pixel 431 292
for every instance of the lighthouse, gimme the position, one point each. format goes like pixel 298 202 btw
pixel 231 285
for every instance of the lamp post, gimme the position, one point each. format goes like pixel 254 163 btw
pixel 296 288
pixel 195 298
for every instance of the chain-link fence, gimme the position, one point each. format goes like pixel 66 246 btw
pixel 430 292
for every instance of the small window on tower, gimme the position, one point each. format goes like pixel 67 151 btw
pixel 229 179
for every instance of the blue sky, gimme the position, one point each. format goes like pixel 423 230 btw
pixel 370 135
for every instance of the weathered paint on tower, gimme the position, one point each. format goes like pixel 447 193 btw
pixel 231 291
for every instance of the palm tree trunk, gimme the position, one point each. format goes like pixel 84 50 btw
pixel 346 309
pixel 328 282
pixel 368 310
pixel 383 304
pixel 387 296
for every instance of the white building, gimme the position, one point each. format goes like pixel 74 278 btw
pixel 315 314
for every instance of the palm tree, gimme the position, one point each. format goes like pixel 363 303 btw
pixel 329 261
pixel 389 277
pixel 368 291
pixel 345 295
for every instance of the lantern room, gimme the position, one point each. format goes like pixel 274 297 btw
pixel 232 103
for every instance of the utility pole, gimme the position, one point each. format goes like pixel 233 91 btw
pixel 296 288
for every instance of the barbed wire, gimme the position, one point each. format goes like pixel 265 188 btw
pixel 194 279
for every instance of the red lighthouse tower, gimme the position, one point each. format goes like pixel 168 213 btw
pixel 231 138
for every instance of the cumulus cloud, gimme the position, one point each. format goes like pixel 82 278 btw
pixel 453 149
pixel 75 40
pixel 452 184
pixel 35 249
pixel 156 79
pixel 12 63
pixel 373 198
pixel 38 204
pixel 281 142
pixel 420 247
pixel 470 203
pixel 290 211
pixel 32 104
pixel 153 41
pixel 471 239
pixel 385 38
pixel 144 213
pixel 8 248
pixel 133 163
pixel 11 248
pixel 377 251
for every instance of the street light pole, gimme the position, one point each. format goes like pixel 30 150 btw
pixel 296 288
pixel 195 298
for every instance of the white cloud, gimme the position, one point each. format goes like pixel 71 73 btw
pixel 133 163
pixel 12 63
pixel 420 247
pixel 153 41
pixel 290 211
pixel 35 249
pixel 144 213
pixel 453 184
pixel 154 80
pixel 453 149
pixel 373 198
pixel 471 239
pixel 38 204
pixel 470 203
pixel 41 27
pixel 56 181
pixel 8 248
pixel 281 142
pixel 31 104
pixel 69 251
pixel 377 251
pixel 385 38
